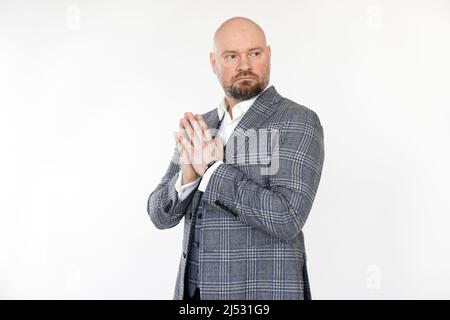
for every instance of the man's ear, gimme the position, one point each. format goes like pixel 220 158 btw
pixel 269 51
pixel 212 60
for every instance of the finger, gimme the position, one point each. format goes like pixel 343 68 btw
pixel 219 147
pixel 204 127
pixel 219 142
pixel 186 144
pixel 198 133
pixel 180 148
pixel 201 122
pixel 185 155
pixel 187 129
pixel 178 142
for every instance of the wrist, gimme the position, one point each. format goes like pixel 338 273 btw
pixel 188 178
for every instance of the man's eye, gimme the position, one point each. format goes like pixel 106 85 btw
pixel 256 53
pixel 231 56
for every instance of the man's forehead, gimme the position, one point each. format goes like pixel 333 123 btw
pixel 240 44
pixel 241 49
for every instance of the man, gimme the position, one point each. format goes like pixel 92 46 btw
pixel 246 193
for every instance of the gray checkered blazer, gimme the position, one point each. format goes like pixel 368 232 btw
pixel 252 244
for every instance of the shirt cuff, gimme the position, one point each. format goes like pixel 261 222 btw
pixel 184 190
pixel 207 176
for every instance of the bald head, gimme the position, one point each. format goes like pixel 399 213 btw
pixel 238 29
pixel 241 59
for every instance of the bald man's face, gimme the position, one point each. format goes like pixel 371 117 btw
pixel 241 62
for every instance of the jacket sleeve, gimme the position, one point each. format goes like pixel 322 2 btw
pixel 281 208
pixel 164 206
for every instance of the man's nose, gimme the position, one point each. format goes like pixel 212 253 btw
pixel 244 64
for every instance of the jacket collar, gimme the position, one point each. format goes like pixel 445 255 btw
pixel 261 109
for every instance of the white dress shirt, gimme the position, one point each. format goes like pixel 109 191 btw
pixel 226 129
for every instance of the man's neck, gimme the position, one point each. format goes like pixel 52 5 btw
pixel 231 102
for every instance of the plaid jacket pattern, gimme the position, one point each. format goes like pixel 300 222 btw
pixel 252 245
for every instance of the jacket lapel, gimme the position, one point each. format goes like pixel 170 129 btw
pixel 255 116
pixel 211 118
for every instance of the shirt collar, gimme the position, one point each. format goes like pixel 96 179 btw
pixel 239 109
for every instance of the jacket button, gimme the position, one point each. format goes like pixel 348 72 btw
pixel 184 255
pixel 199 215
pixel 190 215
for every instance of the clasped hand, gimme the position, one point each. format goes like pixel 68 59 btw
pixel 196 146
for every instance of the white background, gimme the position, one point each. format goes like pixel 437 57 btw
pixel 90 92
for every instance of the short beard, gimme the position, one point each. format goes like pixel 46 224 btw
pixel 246 92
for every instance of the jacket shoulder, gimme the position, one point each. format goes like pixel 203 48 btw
pixel 209 113
pixel 292 111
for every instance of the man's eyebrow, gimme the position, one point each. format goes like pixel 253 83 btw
pixel 251 49
pixel 257 48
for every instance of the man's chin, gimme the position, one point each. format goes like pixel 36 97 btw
pixel 245 91
pixel 246 83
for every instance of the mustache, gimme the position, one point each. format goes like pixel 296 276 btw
pixel 245 75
